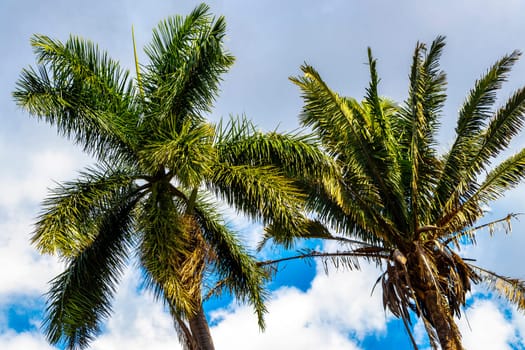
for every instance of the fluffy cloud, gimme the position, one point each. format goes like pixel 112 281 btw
pixel 25 272
pixel 332 309
pixel 27 340
pixel 138 321
pixel 334 313
pixel 22 186
pixel 485 327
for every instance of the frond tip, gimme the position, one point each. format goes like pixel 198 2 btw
pixel 512 289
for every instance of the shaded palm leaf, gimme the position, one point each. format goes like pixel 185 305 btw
pixel 237 270
pixel 80 297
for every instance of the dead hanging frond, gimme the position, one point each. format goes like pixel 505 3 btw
pixel 432 281
pixel 398 295
pixel 469 235
pixel 512 289
pixel 192 267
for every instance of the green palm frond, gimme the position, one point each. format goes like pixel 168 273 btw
pixel 234 266
pixel 70 217
pixel 502 127
pixel 462 162
pixel 417 125
pixel 84 93
pixel 381 111
pixel 187 61
pixel 79 299
pixel 81 59
pixel 187 154
pixel 477 107
pixel 343 209
pixel 239 142
pixel 261 192
pixel 321 102
pixel 507 175
pixel 348 135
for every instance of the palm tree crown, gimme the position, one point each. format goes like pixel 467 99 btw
pixel 400 203
pixel 162 173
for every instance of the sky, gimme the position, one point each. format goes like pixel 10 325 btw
pixel 308 309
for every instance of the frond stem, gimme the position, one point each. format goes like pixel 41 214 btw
pixel 137 68
pixel 315 254
pixel 464 233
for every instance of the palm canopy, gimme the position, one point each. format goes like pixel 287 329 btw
pixel 163 172
pixel 400 203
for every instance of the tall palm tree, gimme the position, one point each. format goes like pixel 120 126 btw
pixel 398 202
pixel 162 174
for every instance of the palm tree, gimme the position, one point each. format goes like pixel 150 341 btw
pixel 396 201
pixel 162 175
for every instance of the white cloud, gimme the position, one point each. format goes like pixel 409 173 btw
pixel 323 317
pixel 138 322
pixel 26 340
pixel 30 179
pixel 22 186
pixel 25 271
pixel 335 307
pixel 484 327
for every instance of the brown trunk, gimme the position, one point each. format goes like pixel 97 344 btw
pixel 447 331
pixel 201 331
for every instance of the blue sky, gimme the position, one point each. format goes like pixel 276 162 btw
pixel 271 39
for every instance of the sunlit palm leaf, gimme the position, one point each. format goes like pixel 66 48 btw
pixel 239 142
pixel 183 81
pixel 461 165
pixel 69 221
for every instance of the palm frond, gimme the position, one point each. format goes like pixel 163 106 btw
pixel 468 236
pixel 286 236
pixel 187 61
pixel 186 154
pixel 341 259
pixel 507 175
pixel 343 125
pixel 502 127
pixel 461 164
pixel 84 93
pixel 79 299
pixel 349 205
pixel 69 220
pixel 418 125
pixel 234 266
pixel 512 289
pixel 239 142
pixel 263 193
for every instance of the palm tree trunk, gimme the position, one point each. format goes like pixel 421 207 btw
pixel 201 331
pixel 447 331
